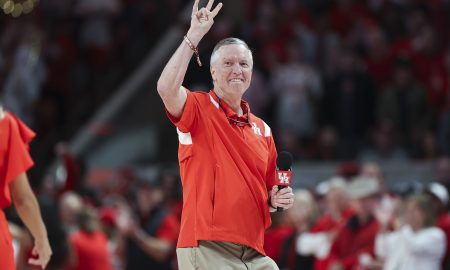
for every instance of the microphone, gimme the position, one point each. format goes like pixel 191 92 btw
pixel 284 171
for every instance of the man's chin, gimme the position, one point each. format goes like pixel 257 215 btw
pixel 237 89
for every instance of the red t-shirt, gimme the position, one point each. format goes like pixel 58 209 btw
pixel 328 223
pixel 226 171
pixel 14 160
pixel 91 251
pixel 14 154
pixel 352 242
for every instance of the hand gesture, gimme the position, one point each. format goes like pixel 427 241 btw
pixel 42 251
pixel 202 20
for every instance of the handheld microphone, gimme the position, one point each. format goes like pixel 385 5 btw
pixel 284 171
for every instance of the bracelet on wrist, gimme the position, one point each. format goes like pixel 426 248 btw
pixel 193 48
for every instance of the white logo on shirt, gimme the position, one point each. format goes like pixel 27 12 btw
pixel 256 129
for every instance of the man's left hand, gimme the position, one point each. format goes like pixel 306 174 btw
pixel 281 197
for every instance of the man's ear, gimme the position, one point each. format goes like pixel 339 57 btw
pixel 213 73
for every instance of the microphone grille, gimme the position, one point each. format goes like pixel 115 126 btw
pixel 284 160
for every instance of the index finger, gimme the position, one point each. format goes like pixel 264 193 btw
pixel 195 8
pixel 216 10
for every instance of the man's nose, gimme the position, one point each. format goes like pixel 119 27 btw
pixel 236 68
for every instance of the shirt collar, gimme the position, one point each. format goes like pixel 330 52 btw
pixel 230 114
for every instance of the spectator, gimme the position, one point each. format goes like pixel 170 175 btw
pixel 23 84
pixel 96 30
pixel 419 244
pixel 280 242
pixel 354 243
pixel 298 88
pixel 89 243
pixel 385 145
pixel 348 102
pixel 404 103
pixel 379 61
pixel 337 212
pixel 149 230
pixel 70 204
pixel 440 199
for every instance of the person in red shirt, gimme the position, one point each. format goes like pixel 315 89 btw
pixel 354 244
pixel 148 229
pixel 227 155
pixel 15 160
pixel 89 243
pixel 337 213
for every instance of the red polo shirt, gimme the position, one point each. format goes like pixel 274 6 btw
pixel 227 167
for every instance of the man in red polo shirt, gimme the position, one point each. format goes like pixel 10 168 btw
pixel 227 156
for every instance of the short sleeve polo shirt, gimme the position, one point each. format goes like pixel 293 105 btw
pixel 227 166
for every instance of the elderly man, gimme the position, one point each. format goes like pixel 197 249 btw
pixel 227 156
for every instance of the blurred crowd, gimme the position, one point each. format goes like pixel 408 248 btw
pixel 356 222
pixel 130 219
pixel 61 62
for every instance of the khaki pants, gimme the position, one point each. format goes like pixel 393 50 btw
pixel 212 255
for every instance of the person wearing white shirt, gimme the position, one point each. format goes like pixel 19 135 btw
pixel 418 244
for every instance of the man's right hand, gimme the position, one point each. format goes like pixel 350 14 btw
pixel 202 20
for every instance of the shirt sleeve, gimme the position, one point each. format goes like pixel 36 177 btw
pixel 169 229
pixel 383 243
pixel 189 114
pixel 16 158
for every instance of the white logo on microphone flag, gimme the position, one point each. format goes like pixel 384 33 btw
pixel 283 177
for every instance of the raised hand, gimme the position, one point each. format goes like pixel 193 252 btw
pixel 202 20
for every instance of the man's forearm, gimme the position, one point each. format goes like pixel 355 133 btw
pixel 173 73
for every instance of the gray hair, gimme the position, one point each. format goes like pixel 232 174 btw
pixel 225 42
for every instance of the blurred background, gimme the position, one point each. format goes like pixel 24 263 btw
pixel 346 85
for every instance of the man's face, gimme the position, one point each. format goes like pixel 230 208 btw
pixel 232 69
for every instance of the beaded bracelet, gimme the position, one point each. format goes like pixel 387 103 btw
pixel 194 49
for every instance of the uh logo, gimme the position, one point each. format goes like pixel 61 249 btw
pixel 284 177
